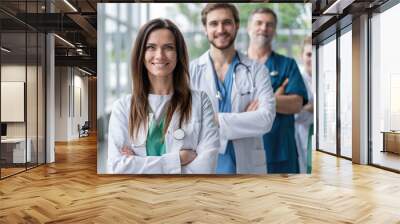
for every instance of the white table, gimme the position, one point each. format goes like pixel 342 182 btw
pixel 18 149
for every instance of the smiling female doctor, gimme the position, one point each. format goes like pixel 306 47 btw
pixel 163 127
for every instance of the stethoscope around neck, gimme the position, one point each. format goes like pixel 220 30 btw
pixel 218 95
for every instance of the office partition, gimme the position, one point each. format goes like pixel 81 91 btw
pixel 22 77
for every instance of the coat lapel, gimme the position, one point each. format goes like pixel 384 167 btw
pixel 139 143
pixel 209 80
pixel 171 143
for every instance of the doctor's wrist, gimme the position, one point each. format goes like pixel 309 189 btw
pixel 187 156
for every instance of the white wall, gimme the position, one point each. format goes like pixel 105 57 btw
pixel 70 83
pixel 61 103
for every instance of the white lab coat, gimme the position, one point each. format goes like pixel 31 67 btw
pixel 303 120
pixel 245 129
pixel 201 134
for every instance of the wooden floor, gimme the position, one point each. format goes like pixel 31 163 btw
pixel 10 171
pixel 387 159
pixel 70 191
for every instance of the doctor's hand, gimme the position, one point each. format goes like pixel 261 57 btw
pixel 126 151
pixel 252 106
pixel 187 156
pixel 216 121
pixel 281 89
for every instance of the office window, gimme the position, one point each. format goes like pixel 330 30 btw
pixel 346 94
pixel 385 89
pixel 327 96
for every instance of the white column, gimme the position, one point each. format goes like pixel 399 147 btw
pixel 50 98
pixel 360 90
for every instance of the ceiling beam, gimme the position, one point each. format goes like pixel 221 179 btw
pixel 83 61
pixel 84 24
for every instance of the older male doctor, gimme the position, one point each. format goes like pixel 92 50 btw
pixel 239 89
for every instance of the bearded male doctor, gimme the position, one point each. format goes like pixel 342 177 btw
pixel 240 91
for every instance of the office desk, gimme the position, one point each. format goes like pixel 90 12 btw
pixel 13 150
pixel 391 141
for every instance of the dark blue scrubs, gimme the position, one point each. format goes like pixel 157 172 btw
pixel 279 143
pixel 226 162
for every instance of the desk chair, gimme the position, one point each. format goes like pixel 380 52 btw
pixel 84 130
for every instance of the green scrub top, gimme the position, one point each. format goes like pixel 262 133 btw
pixel 155 144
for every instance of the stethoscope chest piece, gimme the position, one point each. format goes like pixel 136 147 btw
pixel 179 134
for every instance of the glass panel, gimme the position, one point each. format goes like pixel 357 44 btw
pixel 22 82
pixel 385 86
pixel 327 97
pixel 31 98
pixel 13 87
pixel 41 99
pixel 345 94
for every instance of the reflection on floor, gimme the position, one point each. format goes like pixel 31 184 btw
pixel 11 169
pixel 387 159
pixel 70 191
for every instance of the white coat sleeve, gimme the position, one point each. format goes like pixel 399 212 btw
pixel 118 137
pixel 254 123
pixel 208 145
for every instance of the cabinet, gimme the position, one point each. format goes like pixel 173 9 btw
pixel 391 141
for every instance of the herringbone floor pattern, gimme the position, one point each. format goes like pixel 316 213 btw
pixel 70 191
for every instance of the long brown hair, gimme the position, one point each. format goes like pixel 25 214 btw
pixel 181 98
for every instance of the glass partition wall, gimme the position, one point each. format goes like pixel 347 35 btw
pixel 334 94
pixel 22 88
pixel 346 93
pixel 327 96
pixel 13 86
pixel 385 90
pixel 383 87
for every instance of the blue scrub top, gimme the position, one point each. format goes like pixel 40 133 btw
pixel 280 143
pixel 226 162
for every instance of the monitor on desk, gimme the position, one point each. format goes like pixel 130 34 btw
pixel 3 130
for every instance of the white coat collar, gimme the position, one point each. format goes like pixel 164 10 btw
pixel 205 59
pixel 206 69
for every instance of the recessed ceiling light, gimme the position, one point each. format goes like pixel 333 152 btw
pixel 65 41
pixel 70 5
pixel 5 50
pixel 84 71
pixel 338 6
